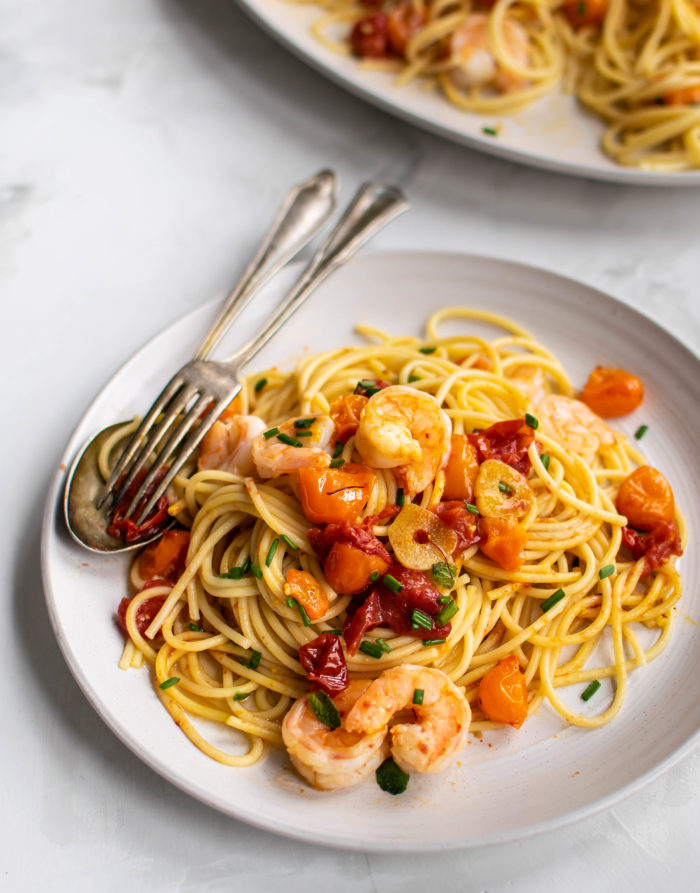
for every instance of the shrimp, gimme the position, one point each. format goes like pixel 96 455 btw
pixel 475 63
pixel 405 429
pixel 530 381
pixel 332 758
pixel 573 425
pixel 228 444
pixel 273 458
pixel 442 717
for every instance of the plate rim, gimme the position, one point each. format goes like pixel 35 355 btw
pixel 356 86
pixel 49 534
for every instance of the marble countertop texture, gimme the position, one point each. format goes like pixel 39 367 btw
pixel 143 146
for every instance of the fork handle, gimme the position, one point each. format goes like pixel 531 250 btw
pixel 304 211
pixel 374 205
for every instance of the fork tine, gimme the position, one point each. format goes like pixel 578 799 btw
pixel 172 411
pixel 138 437
pixel 174 441
pixel 187 448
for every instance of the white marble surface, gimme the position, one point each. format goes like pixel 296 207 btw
pixel 143 146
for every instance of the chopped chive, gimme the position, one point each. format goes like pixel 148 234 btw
pixel 383 645
pixel 400 496
pixel 641 431
pixel 367 383
pixel 338 449
pixel 472 508
pixel 428 642
pixel 544 459
pixel 304 432
pixel 291 602
pixel 168 682
pixel 412 378
pixel 290 441
pixel 582 8
pixel 337 463
pixel 606 571
pixel 324 709
pixel 304 423
pixel 270 433
pixel 444 600
pixel 259 385
pixel 370 649
pixel 254 661
pixel 246 565
pixel 590 690
pixel 421 620
pixel 392 583
pixel 418 695
pixel 447 613
pixel 531 421
pixel 552 600
pixel 195 628
pixel 430 349
pixel 241 695
pixel 505 488
pixel 374 576
pixel 302 613
pixel 233 573
pixel 489 131
pixel 336 632
pixel 390 778
pixel 256 571
pixel 370 392
pixel 285 539
pixel 271 551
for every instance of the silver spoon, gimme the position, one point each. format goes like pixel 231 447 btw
pixel 303 213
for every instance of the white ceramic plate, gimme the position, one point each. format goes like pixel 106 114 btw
pixel 513 783
pixel 556 133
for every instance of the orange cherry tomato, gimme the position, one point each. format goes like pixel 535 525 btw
pixel 347 568
pixel 334 494
pixel 585 12
pixel 646 499
pixel 612 392
pixel 503 540
pixel 461 469
pixel 235 407
pixel 345 413
pixel 303 587
pixel 402 23
pixel 165 559
pixel 683 96
pixel 503 693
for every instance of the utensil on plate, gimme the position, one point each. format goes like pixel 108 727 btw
pixel 201 391
pixel 306 208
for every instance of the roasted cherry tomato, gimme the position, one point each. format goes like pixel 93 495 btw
pixel 507 441
pixel 461 469
pixel 368 37
pixel 305 589
pixel 334 494
pixel 645 498
pixel 145 612
pixel 324 663
pixel 503 693
pixel 503 540
pixel 402 23
pixel 345 413
pixel 657 546
pixel 166 557
pixel 612 392
pixel 585 12
pixel 347 569
pixel 689 95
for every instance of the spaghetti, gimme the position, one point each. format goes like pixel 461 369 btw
pixel 634 63
pixel 227 634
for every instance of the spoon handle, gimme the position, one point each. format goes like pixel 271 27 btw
pixel 304 211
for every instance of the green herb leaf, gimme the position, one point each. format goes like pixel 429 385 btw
pixel 444 574
pixel 552 600
pixel 392 779
pixel 324 709
pixel 590 690
pixel 168 682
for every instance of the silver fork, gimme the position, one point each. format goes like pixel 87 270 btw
pixel 200 385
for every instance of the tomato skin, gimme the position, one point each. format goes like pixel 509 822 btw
pixel 503 540
pixel 503 693
pixel 145 611
pixel 657 546
pixel 612 392
pixel 166 557
pixel 324 663
pixel 402 23
pixel 345 412
pixel 457 517
pixel 347 569
pixel 507 441
pixel 334 495
pixel 304 587
pixel 585 12
pixel 645 498
pixel 461 469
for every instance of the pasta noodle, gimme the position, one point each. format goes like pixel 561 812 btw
pixel 634 63
pixel 230 639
